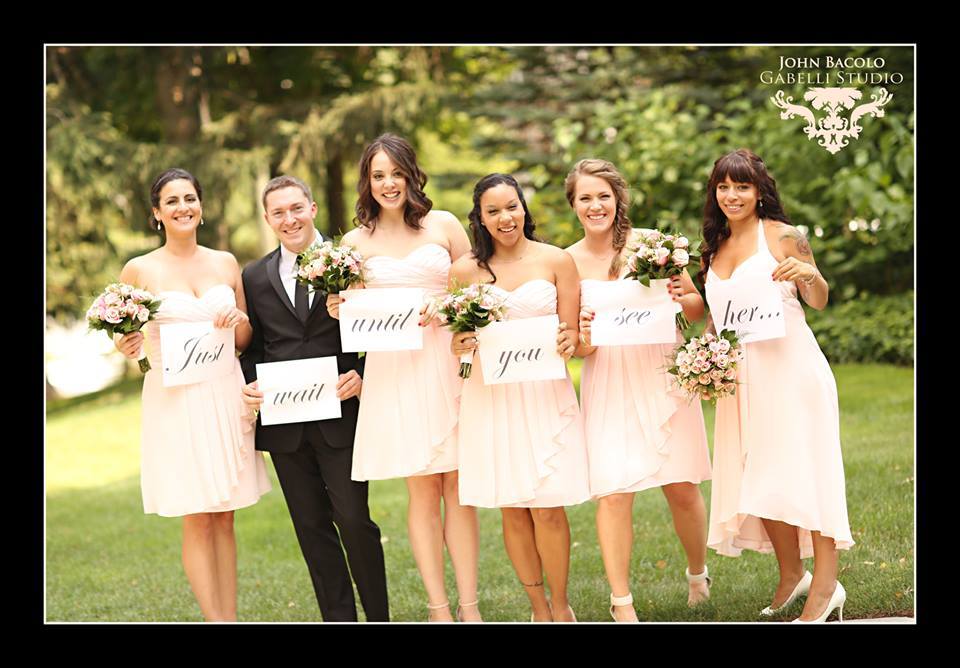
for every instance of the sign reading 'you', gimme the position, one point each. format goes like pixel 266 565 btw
pixel 513 351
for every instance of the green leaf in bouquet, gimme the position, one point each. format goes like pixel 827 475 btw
pixel 645 280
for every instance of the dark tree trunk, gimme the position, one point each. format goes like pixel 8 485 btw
pixel 333 192
pixel 176 95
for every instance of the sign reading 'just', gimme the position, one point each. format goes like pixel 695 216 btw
pixel 298 390
pixel 194 352
pixel 381 319
pixel 629 313
pixel 513 351
pixel 750 307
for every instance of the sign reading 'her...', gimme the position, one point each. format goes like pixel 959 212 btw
pixel 194 352
pixel 513 351
pixel 752 308
pixel 298 390
pixel 381 319
pixel 629 313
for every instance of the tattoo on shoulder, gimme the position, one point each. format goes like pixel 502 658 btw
pixel 803 246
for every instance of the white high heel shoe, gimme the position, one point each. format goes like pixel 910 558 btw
pixel 699 577
pixel 837 599
pixel 800 590
pixel 619 600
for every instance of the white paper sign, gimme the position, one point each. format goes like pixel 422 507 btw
pixel 193 352
pixel 381 319
pixel 298 390
pixel 513 351
pixel 752 308
pixel 629 313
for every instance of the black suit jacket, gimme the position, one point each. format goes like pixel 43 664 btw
pixel 278 336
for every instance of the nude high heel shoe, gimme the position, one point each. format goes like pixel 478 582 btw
pixel 800 590
pixel 619 600
pixel 439 606
pixel 460 606
pixel 837 599
pixel 699 577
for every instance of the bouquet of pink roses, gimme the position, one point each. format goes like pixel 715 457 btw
pixel 706 366
pixel 660 255
pixel 467 309
pixel 122 309
pixel 328 268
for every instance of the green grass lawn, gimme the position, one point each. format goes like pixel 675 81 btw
pixel 107 561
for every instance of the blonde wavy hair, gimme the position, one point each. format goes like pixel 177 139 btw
pixel 604 169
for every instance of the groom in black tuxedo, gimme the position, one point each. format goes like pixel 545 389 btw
pixel 312 459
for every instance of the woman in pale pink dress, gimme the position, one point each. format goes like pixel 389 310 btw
pixel 778 482
pixel 407 424
pixel 641 430
pixel 197 440
pixel 521 444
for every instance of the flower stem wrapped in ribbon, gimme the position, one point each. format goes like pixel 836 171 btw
pixel 329 269
pixel 467 309
pixel 122 309
pixel 706 366
pixel 660 255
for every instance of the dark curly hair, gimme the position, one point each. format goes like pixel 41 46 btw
pixel 482 241
pixel 404 157
pixel 163 179
pixel 742 166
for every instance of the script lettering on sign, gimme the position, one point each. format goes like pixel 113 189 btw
pixel 751 307
pixel 298 390
pixel 194 352
pixel 381 319
pixel 514 351
pixel 629 313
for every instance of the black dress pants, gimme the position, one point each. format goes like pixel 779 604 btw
pixel 320 494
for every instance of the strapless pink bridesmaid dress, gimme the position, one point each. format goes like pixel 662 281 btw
pixel 197 441
pixel 776 448
pixel 641 430
pixel 521 444
pixel 407 422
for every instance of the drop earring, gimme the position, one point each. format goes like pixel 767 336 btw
pixel 159 226
pixel 201 220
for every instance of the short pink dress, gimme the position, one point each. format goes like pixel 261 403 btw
pixel 642 431
pixel 407 422
pixel 197 440
pixel 776 448
pixel 521 444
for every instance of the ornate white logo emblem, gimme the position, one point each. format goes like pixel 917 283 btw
pixel 832 131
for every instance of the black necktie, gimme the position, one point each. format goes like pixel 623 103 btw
pixel 300 302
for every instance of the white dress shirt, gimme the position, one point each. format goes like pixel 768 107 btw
pixel 287 264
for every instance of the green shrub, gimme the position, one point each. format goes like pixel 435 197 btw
pixel 866 329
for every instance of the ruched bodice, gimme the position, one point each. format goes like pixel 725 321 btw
pixel 427 267
pixel 529 300
pixel 641 429
pixel 407 423
pixel 197 440
pixel 776 448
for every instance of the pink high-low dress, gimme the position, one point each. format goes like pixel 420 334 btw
pixel 776 448
pixel 197 440
pixel 521 444
pixel 407 423
pixel 642 431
